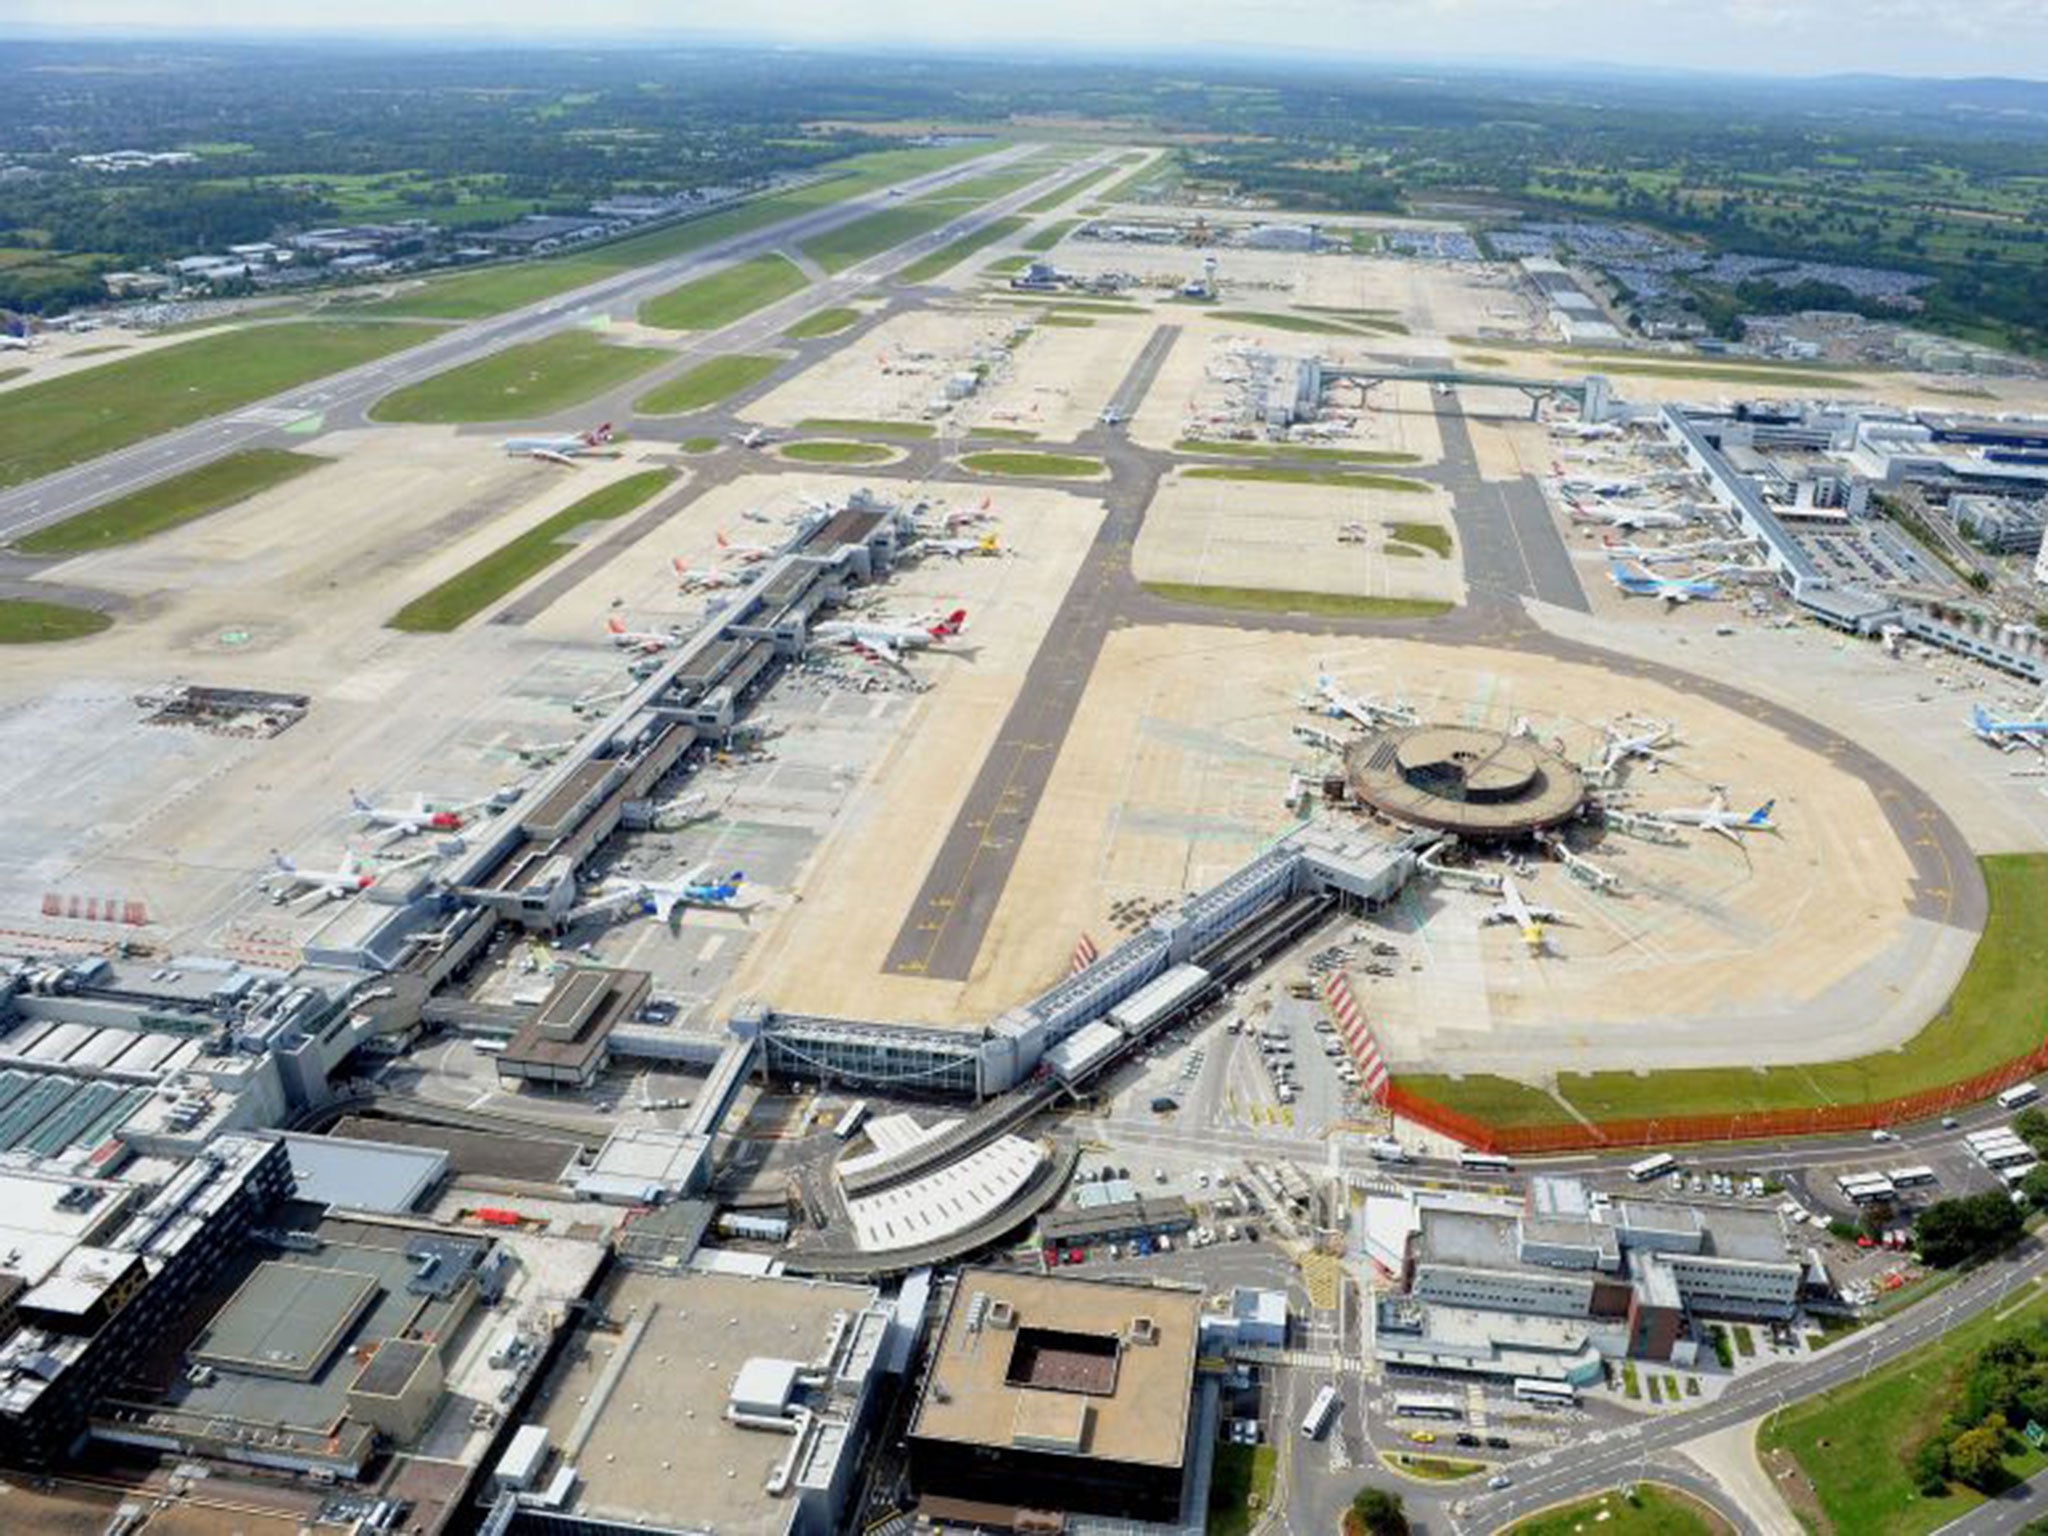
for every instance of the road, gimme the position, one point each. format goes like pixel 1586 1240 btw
pixel 341 399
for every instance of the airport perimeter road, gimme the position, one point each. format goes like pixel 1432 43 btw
pixel 341 398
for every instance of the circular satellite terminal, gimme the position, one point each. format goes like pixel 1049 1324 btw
pixel 1482 785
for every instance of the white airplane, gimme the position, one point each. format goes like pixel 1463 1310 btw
pixel 1718 818
pixel 539 754
pixel 985 547
pixel 1628 519
pixel 1331 699
pixel 1673 589
pixel 746 554
pixel 1585 431
pixel 644 641
pixel 1644 744
pixel 754 437
pixel 709 579
pixel 562 448
pixel 662 899
pixel 1644 554
pixel 887 642
pixel 407 821
pixel 2006 734
pixel 332 884
pixel 674 815
pixel 552 456
pixel 1528 920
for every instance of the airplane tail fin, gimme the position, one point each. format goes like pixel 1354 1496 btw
pixel 723 541
pixel 1762 814
pixel 1980 719
pixel 951 624
pixel 283 863
pixel 357 802
pixel 598 434
pixel 615 624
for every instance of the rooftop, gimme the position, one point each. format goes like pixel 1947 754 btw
pixel 1022 1356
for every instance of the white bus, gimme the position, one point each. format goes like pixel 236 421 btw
pixel 1320 1412
pixel 850 1119
pixel 1907 1178
pixel 1866 1189
pixel 1485 1162
pixel 1558 1394
pixel 2018 1094
pixel 1653 1167
pixel 1422 1405
pixel 2003 1154
pixel 488 1047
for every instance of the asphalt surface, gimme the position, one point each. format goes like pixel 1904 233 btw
pixel 343 399
pixel 1512 547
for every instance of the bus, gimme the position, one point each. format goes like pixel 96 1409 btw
pixel 2002 1151
pixel 1550 1394
pixel 1320 1412
pixel 850 1119
pixel 488 1047
pixel 1485 1162
pixel 1907 1178
pixel 1866 1189
pixel 2018 1094
pixel 1653 1167
pixel 1419 1405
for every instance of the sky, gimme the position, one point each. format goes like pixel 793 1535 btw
pixel 1798 37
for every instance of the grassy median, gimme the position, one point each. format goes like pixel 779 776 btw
pixel 706 385
pixel 170 503
pixel 1323 605
pixel 24 621
pixel 520 383
pixel 853 426
pixel 1338 479
pixel 1653 1511
pixel 1053 466
pixel 723 297
pixel 1226 448
pixel 466 593
pixel 946 257
pixel 66 420
pixel 829 452
pixel 825 322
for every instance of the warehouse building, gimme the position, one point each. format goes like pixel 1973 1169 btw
pixel 1057 1395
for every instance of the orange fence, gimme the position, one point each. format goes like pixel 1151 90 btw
pixel 1738 1125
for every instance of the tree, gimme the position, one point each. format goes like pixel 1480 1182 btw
pixel 1375 1512
pixel 2031 1126
pixel 1976 1456
pixel 1952 1232
pixel 2035 1185
pixel 1931 1468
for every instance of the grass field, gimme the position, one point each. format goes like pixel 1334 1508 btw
pixel 1425 535
pixel 1278 320
pixel 1068 189
pixel 168 503
pixel 1708 373
pixel 24 621
pixel 1004 434
pixel 1232 450
pixel 11 373
pixel 1654 1511
pixel 81 415
pixel 852 426
pixel 533 378
pixel 723 297
pixel 1432 1469
pixel 1856 1442
pixel 470 295
pixel 1328 605
pixel 837 249
pixel 1996 1013
pixel 1045 239
pixel 946 257
pixel 1240 1472
pixel 706 384
pixel 1058 466
pixel 466 593
pixel 1070 322
pixel 826 322
pixel 699 445
pixel 1342 479
pixel 826 451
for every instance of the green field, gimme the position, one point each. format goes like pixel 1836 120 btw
pixel 946 257
pixel 1069 189
pixel 1429 536
pixel 706 384
pixel 699 445
pixel 837 249
pixel 1045 239
pixel 1322 605
pixel 1240 1473
pixel 78 416
pixel 1707 373
pixel 848 426
pixel 1004 434
pixel 1226 449
pixel 11 373
pixel 826 322
pixel 1856 1442
pixel 531 379
pixel 1997 1012
pixel 468 591
pixel 469 295
pixel 827 451
pixel 1006 266
pixel 168 503
pixel 1059 466
pixel 1071 322
pixel 1341 479
pixel 1654 1511
pixel 1278 320
pixel 24 621
pixel 723 297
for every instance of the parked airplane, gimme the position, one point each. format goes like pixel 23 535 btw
pixel 1585 430
pixel 539 754
pixel 2006 734
pixel 405 821
pixel 661 899
pixel 1331 699
pixel 644 641
pixel 754 437
pixel 1716 817
pixel 674 815
pixel 985 547
pixel 708 579
pixel 1673 589
pixel 332 884
pixel 562 448
pixel 747 554
pixel 1644 744
pixel 887 642
pixel 1528 920
pixel 1645 554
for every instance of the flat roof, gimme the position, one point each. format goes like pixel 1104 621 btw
pixel 1476 1239
pixel 969 1397
pixel 286 1320
pixel 639 1406
pixel 394 1365
pixel 363 1175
